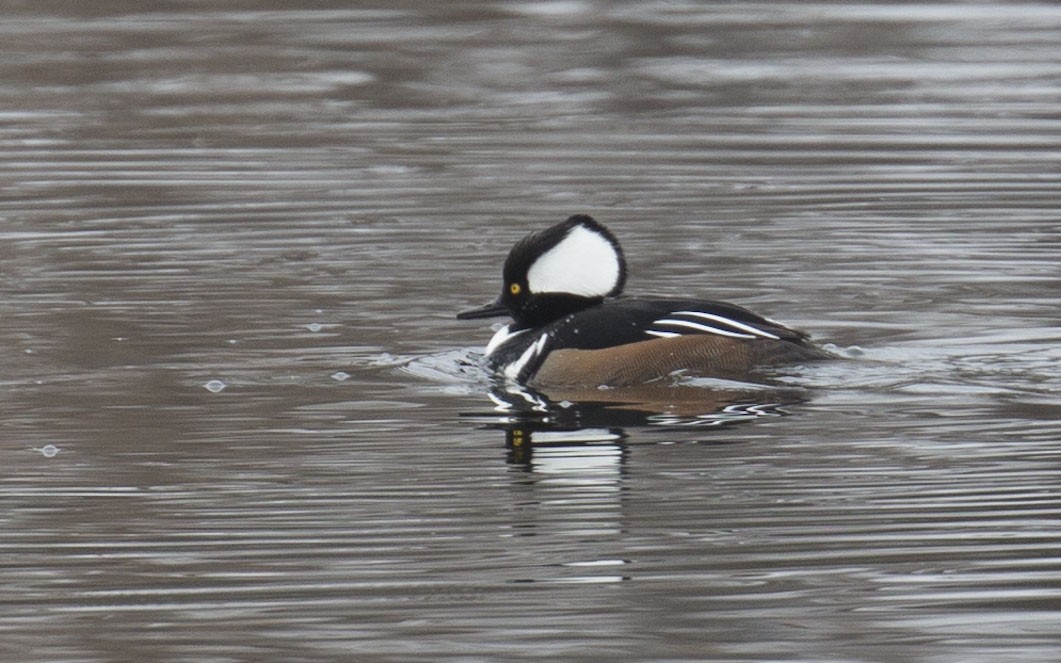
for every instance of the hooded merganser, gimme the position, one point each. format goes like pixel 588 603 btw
pixel 571 328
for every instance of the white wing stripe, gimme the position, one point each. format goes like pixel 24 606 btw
pixel 728 322
pixel 662 334
pixel 703 328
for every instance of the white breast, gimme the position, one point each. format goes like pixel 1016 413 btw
pixel 500 337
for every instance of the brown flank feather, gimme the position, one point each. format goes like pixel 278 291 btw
pixel 644 361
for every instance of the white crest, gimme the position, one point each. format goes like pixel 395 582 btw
pixel 583 263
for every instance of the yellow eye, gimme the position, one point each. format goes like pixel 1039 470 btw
pixel 514 289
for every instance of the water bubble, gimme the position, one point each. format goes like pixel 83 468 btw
pixel 340 376
pixel 314 326
pixel 215 386
pixel 49 450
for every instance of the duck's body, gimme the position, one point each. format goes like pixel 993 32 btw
pixel 572 329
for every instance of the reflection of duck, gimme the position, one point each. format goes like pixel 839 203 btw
pixel 571 329
pixel 557 451
pixel 592 419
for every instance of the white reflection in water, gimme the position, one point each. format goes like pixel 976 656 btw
pixel 585 465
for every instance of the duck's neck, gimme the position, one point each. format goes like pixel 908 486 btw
pixel 545 308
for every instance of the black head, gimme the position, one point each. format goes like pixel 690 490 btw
pixel 556 271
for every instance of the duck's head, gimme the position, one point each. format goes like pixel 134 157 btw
pixel 553 272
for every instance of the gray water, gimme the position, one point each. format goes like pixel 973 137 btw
pixel 239 422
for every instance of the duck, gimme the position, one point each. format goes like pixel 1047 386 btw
pixel 572 327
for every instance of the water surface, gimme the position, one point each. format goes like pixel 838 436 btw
pixel 240 423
